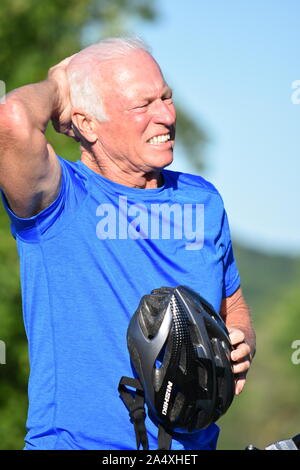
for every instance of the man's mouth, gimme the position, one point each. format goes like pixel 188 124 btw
pixel 159 139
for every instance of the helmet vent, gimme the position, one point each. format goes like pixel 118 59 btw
pixel 160 358
pixel 177 407
pixel 151 315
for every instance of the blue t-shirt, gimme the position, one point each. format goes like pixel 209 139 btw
pixel 85 263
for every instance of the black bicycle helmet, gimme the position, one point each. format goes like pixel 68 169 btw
pixel 180 349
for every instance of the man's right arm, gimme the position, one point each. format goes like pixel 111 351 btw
pixel 29 168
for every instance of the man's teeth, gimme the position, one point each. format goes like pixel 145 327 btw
pixel 159 139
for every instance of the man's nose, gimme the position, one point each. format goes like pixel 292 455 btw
pixel 164 113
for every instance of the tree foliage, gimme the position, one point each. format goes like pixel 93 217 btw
pixel 36 34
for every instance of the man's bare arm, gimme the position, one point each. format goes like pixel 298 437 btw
pixel 29 168
pixel 237 317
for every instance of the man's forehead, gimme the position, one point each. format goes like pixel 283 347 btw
pixel 147 91
pixel 133 77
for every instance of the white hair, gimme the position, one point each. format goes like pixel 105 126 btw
pixel 83 71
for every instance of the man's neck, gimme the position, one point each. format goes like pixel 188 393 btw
pixel 131 179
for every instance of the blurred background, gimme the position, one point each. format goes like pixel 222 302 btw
pixel 234 68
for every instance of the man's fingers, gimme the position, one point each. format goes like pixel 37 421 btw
pixel 239 385
pixel 63 64
pixel 240 356
pixel 236 336
pixel 242 366
pixel 240 352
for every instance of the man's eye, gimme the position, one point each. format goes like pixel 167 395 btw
pixel 140 107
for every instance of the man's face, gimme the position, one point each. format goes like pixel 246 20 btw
pixel 140 131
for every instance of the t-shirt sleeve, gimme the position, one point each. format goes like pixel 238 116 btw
pixel 231 278
pixel 52 219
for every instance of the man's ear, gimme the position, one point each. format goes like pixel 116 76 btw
pixel 84 126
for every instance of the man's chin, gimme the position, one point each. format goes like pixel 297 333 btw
pixel 161 159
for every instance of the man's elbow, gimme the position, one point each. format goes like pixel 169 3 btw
pixel 14 122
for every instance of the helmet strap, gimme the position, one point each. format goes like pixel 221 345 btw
pixel 164 438
pixel 135 403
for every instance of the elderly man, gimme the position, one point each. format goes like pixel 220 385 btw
pixel 95 235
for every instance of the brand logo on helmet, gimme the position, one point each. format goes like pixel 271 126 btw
pixel 167 398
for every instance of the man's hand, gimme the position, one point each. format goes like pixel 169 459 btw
pixel 241 357
pixel 237 317
pixel 61 116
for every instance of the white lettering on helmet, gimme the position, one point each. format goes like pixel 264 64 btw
pixel 167 398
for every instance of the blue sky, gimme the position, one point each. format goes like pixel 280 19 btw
pixel 232 65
